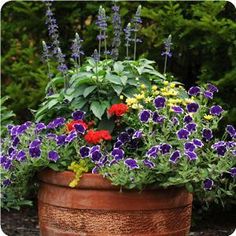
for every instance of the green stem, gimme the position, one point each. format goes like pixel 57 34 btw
pixel 165 64
pixel 105 45
pixel 127 51
pixel 99 44
pixel 49 75
pixel 135 45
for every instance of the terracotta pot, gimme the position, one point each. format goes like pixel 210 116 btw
pixel 96 207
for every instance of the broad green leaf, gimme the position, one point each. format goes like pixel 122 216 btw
pixel 98 109
pixel 118 67
pixel 106 124
pixel 124 80
pixel 89 90
pixel 118 89
pixel 78 103
pixel 54 81
pixel 114 79
pixel 52 103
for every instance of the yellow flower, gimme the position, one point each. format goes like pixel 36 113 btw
pixel 131 101
pixel 208 117
pixel 156 93
pixel 163 90
pixel 121 97
pixel 148 99
pixel 137 106
pixel 165 82
pixel 73 183
pixel 139 96
pixel 172 85
pixel 154 88
pixel 143 86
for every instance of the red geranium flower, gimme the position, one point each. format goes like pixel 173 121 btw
pixel 71 125
pixel 95 137
pixel 118 109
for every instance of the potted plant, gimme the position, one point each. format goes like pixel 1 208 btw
pixel 125 147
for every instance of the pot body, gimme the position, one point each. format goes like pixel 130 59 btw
pixel 97 208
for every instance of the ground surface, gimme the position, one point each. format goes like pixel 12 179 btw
pixel 214 223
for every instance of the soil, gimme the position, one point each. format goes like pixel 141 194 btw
pixel 216 222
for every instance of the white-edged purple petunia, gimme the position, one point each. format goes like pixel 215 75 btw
pixel 79 128
pixel 191 155
pixel 192 107
pixel 189 146
pixel 145 115
pixel 208 184
pixel 182 134
pixel 118 153
pixel 188 119
pixel 78 115
pixel 231 131
pixel 221 150
pixel 39 127
pixel 138 134
pixel 158 118
pixel 165 148
pixel 21 156
pixel 207 134
pixel 212 88
pixel 53 156
pixel 194 91
pixel 198 142
pixel 174 120
pixel 175 156
pixel 191 127
pixel 232 172
pixel 152 152
pixel 84 151
pixel 177 109
pixel 148 164
pixel 208 94
pixel 61 139
pixel 95 156
pixel 71 136
pixel 131 163
pixel 124 137
pixel 216 110
pixel 159 102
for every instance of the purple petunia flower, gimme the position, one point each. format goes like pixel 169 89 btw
pixel 212 88
pixel 124 137
pixel 61 139
pixel 21 156
pixel 95 170
pixel 137 134
pixel 53 156
pixel 102 161
pixel 231 131
pixel 207 134
pixel 191 127
pixel 194 91
pixel 51 136
pixel 177 109
pixel 56 123
pixel 145 115
pixel 21 129
pixel 71 136
pixel 216 110
pixel 84 151
pixel 189 146
pixel 152 152
pixel 192 107
pixel 231 144
pixel 157 118
pixel 175 120
pixel 79 128
pixel 175 156
pixel 35 152
pixel 95 156
pixel 221 150
pixel 208 94
pixel 149 163
pixel 130 131
pixel 131 163
pixel 35 143
pixel 188 119
pixel 6 182
pixel 208 184
pixel 198 142
pixel 191 155
pixel 7 164
pixel 118 144
pixel 183 134
pixel 94 149
pixel 117 153
pixel 232 171
pixel 159 102
pixel 78 115
pixel 165 148
pixel 15 141
pixel 39 127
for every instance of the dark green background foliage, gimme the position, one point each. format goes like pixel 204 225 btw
pixel 204 49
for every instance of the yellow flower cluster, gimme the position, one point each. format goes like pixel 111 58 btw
pixel 208 117
pixel 79 169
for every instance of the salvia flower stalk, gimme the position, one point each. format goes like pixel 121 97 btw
pixel 77 51
pixel 167 53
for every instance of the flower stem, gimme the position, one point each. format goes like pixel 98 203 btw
pixel 135 45
pixel 165 64
pixel 99 44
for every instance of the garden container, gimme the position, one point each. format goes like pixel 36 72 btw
pixel 95 207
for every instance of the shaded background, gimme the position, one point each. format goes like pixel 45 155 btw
pixel 203 33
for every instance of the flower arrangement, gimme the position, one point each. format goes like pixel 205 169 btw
pixel 121 119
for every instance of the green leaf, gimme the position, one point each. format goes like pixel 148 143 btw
pixel 106 124
pixel 52 103
pixel 118 67
pixel 98 109
pixel 113 79
pixel 89 90
pixel 54 81
pixel 124 80
pixel 118 89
